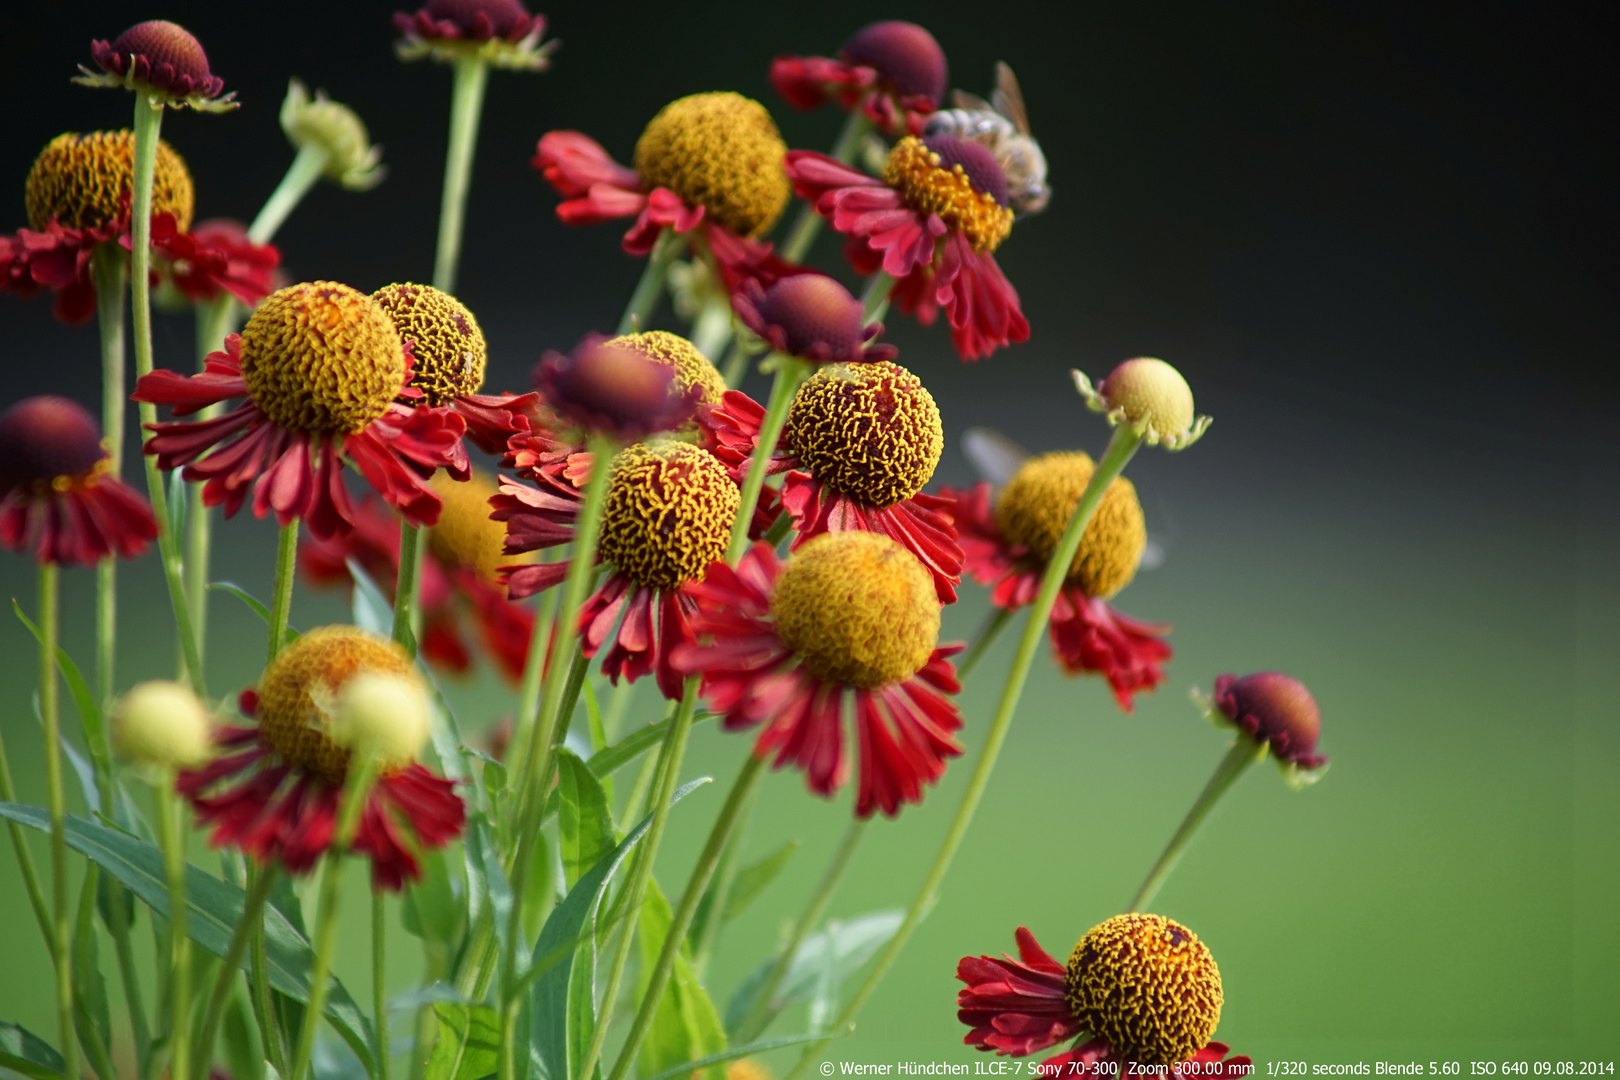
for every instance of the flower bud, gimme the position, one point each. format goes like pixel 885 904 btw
pixel 1150 396
pixel 1277 712
pixel 381 713
pixel 608 389
pixel 162 723
pixel 351 159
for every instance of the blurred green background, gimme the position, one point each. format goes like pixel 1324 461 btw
pixel 1364 235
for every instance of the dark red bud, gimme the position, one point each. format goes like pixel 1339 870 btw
pixel 904 55
pixel 1274 709
pixel 43 438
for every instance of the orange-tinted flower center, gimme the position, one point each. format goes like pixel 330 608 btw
pixel 947 177
pixel 669 511
pixel 1034 510
pixel 448 353
pixel 870 431
pixel 84 182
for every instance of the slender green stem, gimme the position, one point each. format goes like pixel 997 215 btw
pixel 407 598
pixel 225 981
pixel 1120 450
pixel 808 224
pixel 790 372
pixel 379 985
pixel 286 572
pixel 107 271
pixel 215 319
pixel 466 104
pixel 172 832
pixel 129 975
pixel 993 626
pixel 25 857
pixel 736 367
pixel 753 768
pixel 301 175
pixel 61 932
pixel 264 1006
pixel 779 530
pixel 725 876
pixel 1244 752
pixel 875 299
pixel 711 330
pixel 533 668
pixel 650 288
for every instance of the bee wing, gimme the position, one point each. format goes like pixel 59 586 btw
pixel 967 102
pixel 1153 554
pixel 995 456
pixel 1008 100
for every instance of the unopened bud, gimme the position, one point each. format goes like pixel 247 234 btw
pixel 383 714
pixel 330 126
pixel 1150 396
pixel 162 723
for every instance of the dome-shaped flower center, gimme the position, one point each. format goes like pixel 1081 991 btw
pixel 669 511
pixel 465 536
pixel 1148 986
pixel 1034 510
pixel 318 664
pixel 447 348
pixel 957 179
pixel 904 55
pixel 869 431
pixel 322 358
pixel 813 309
pixel 692 368
pixel 163 42
pixel 84 182
pixel 721 152
pixel 47 441
pixel 857 609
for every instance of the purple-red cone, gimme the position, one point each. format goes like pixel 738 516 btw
pixel 608 390
pixel 1276 710
pixel 813 317
pixel 164 56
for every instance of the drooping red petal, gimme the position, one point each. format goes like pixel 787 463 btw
pixel 920 524
pixel 1089 636
pixel 1015 1006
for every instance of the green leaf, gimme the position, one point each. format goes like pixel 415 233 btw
pixel 751 880
pixel 431 909
pixel 177 503
pixel 24 1052
pixel 487 887
pixel 288 636
pixel 852 944
pixel 746 1050
pixel 685 1026
pixel 90 716
pixel 243 1054
pixel 540 895
pixel 607 762
pixel 89 988
pixel 599 741
pixel 584 821
pixel 469 1043
pixel 216 906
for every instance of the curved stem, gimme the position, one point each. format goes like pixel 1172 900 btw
pixel 533 667
pixel 252 916
pixel 379 986
pixel 466 104
pixel 264 1006
pixel 725 876
pixel 407 600
pixel 301 175
pixel 172 833
pixel 61 933
pixel 1120 449
pixel 650 287
pixel 286 571
pixel 993 626
pixel 808 224
pixel 875 298
pixel 107 271
pixel 1244 752
pixel 25 857
pixel 790 372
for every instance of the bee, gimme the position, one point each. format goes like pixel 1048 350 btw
pixel 1001 125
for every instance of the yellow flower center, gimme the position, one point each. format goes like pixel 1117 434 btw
pixel 721 152
pixel 322 358
pixel 317 665
pixel 1148 986
pixel 1034 510
pixel 83 181
pixel 465 536
pixel 447 348
pixel 869 431
pixel 692 368
pixel 930 187
pixel 858 610
pixel 669 511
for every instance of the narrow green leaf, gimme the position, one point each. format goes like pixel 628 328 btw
pixel 853 943
pixel 582 1001
pixel 177 503
pixel 243 1053
pixel 89 988
pixel 369 609
pixel 487 888
pixel 751 880
pixel 469 1043
pixel 685 1026
pixel 24 1052
pixel 540 896
pixel 90 715
pixel 760 1046
pixel 584 820
pixel 607 762
pixel 599 741
pixel 288 636
pixel 431 909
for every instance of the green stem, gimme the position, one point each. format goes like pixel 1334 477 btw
pixel 725 876
pixel 650 287
pixel 129 975
pixel 286 572
pixel 753 768
pixel 712 328
pixel 1244 752
pixel 466 104
pixel 875 298
pixel 264 1006
pixel 407 598
pixel 993 626
pixel 225 981
pixel 61 933
pixel 1120 449
pixel 379 985
pixel 172 832
pixel 808 223
pixel 215 319
pixel 107 271
pixel 529 690
pixel 759 1013
pixel 25 857
pixel 779 530
pixel 301 175
pixel 790 372
pixel 736 367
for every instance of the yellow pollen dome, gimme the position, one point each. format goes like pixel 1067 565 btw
pixel 721 152
pixel 323 358
pixel 447 348
pixel 929 187
pixel 1035 507
pixel 318 664
pixel 84 181
pixel 1148 986
pixel 692 368
pixel 669 511
pixel 858 609
pixel 465 536
pixel 870 431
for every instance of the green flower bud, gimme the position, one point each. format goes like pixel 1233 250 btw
pixel 381 713
pixel 334 128
pixel 162 723
pixel 1150 396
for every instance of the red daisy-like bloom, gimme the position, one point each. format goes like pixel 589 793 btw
pixel 285 776
pixel 160 59
pixel 1275 710
pixel 932 221
pixel 851 620
pixel 58 497
pixel 860 442
pixel 320 366
pixel 213 258
pixel 1139 989
pixel 812 317
pixel 708 166
pixel 1008 543
pixel 458 578
pixel 894 72
pixel 499 32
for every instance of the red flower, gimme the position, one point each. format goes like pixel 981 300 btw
pixel 893 71
pixel 1015 1006
pixel 861 440
pixel 812 317
pixel 312 403
pixel 162 60
pixel 609 387
pixel 216 257
pixel 1087 634
pixel 852 618
pixel 283 806
pixel 1275 710
pixel 932 222
pixel 58 497
pixel 497 32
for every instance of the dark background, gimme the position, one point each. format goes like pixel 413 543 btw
pixel 1379 243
